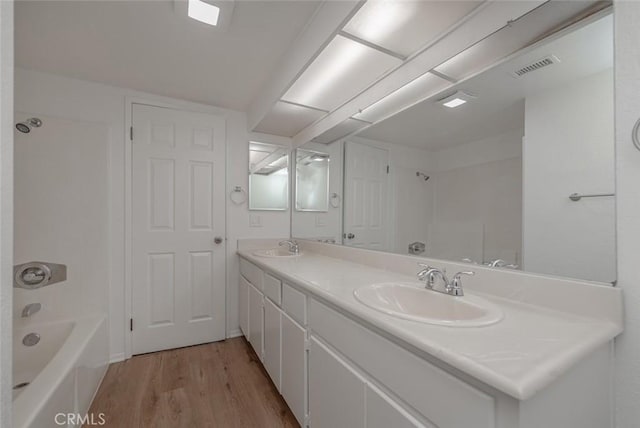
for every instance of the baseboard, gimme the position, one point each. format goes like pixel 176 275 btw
pixel 234 333
pixel 116 358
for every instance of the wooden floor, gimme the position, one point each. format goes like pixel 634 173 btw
pixel 214 385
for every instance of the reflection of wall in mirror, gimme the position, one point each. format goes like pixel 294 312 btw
pixel 269 191
pixel 568 148
pixel 323 225
pixel 311 186
pixel 477 200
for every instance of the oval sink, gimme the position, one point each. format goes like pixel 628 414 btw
pixel 275 252
pixel 419 304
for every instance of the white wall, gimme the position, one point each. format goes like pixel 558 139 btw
pixel 477 200
pixel 568 148
pixel 627 105
pixel 61 214
pixel 6 208
pixel 57 96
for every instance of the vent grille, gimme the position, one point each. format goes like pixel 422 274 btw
pixel 536 65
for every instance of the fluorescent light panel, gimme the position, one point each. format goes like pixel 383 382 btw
pixel 288 119
pixel 341 71
pixel 405 26
pixel 203 12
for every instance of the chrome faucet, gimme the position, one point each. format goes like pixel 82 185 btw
pixel 31 309
pixel 501 263
pixel 430 274
pixel 294 248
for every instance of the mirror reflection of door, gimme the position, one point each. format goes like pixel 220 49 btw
pixel 365 196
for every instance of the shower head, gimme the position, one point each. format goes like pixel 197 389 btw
pixel 422 174
pixel 25 127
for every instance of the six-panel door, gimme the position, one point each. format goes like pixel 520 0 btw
pixel 178 195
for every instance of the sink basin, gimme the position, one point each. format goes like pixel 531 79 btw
pixel 408 301
pixel 275 252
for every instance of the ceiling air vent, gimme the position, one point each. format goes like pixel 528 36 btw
pixel 536 65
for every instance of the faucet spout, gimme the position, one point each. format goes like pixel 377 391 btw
pixel 294 248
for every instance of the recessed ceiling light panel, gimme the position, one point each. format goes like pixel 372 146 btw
pixel 215 13
pixel 203 12
pixel 456 99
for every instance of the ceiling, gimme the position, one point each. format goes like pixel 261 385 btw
pixel 146 45
pixel 499 105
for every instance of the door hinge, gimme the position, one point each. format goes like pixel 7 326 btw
pixel 130 324
pixel 387 169
pixel 307 420
pixel 131 133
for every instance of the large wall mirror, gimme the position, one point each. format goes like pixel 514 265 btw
pixel 268 177
pixel 513 166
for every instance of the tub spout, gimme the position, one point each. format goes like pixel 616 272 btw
pixel 31 309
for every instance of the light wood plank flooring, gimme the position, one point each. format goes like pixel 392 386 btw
pixel 219 384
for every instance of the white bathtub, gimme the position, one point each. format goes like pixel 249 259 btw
pixel 64 370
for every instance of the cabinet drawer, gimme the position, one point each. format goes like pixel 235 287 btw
pixel 294 304
pixel 272 288
pixel 430 390
pixel 252 272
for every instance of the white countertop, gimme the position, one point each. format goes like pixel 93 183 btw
pixel 520 355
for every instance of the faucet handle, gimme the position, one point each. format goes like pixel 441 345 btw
pixel 455 287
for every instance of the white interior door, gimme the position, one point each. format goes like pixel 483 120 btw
pixel 178 230
pixel 365 196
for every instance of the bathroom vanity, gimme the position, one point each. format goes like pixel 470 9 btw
pixel 545 362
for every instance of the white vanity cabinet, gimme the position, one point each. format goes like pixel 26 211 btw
pixel 272 341
pixel 336 392
pixel 275 315
pixel 256 319
pixel 294 367
pixel 335 369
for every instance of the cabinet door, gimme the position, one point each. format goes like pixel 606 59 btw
pixel 243 305
pixel 336 392
pixel 272 317
pixel 256 319
pixel 293 378
pixel 383 412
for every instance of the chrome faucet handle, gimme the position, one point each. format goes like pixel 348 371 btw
pixel 31 309
pixel 455 287
pixel 429 273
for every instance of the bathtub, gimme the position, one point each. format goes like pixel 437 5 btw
pixel 62 371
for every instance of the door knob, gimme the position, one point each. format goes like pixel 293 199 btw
pixel 350 236
pixel 217 240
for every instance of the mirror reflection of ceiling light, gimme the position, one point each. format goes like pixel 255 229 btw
pixel 413 92
pixel 456 99
pixel 203 12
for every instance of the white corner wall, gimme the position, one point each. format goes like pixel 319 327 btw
pixel 57 96
pixel 6 209
pixel 627 107
pixel 568 148
pixel 61 214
